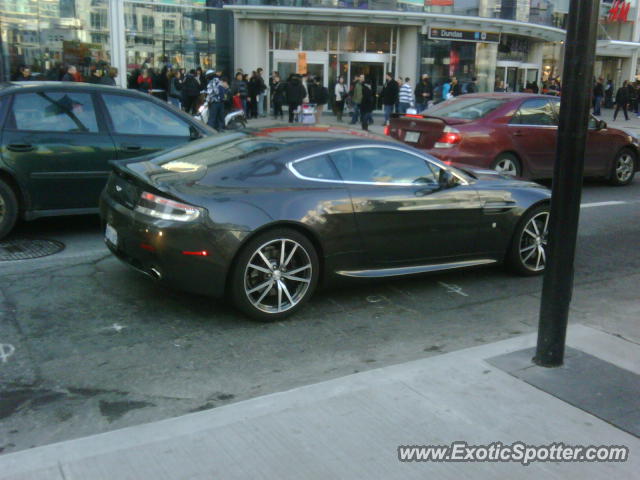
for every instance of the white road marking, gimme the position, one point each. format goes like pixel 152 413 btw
pixel 6 350
pixel 602 204
pixel 117 327
pixel 453 289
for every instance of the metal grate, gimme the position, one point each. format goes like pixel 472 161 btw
pixel 25 248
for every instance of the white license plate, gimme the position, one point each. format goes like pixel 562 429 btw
pixel 111 235
pixel 412 137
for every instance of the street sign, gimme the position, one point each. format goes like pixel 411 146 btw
pixel 436 33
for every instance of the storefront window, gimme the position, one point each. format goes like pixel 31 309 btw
pixel 46 36
pixel 378 39
pixel 286 36
pixel 333 38
pixel 314 37
pixel 352 39
pixel 443 60
pixel 514 49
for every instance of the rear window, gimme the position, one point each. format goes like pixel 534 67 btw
pixel 467 108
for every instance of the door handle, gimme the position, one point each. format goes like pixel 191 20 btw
pixel 131 148
pixel 20 147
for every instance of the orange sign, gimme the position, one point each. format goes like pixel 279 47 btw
pixel 302 63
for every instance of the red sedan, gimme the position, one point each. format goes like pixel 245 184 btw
pixel 514 134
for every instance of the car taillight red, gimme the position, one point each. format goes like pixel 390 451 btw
pixel 449 138
pixel 165 208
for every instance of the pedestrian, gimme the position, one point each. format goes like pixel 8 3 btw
pixel 622 100
pixel 190 92
pixel 608 94
pixel 253 95
pixel 598 95
pixel 215 100
pixel 175 88
pixel 70 76
pixel 499 86
pixel 263 93
pixel 239 87
pixel 472 86
pixel 24 74
pixel 446 90
pixel 406 96
pixel 423 93
pixel 390 92
pixel 109 78
pixel 455 87
pixel 340 93
pixel 278 97
pixel 356 99
pixel 144 82
pixel 366 103
pixel 319 95
pixel 296 93
pixel 95 76
pixel 633 97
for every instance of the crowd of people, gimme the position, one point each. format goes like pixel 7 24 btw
pixel 626 98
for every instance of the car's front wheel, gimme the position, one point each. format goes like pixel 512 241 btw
pixel 528 251
pixel 274 275
pixel 624 167
pixel 8 209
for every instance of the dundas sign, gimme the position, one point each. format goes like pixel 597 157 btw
pixel 436 33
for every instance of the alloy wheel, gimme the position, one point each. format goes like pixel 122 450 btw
pixel 624 167
pixel 277 275
pixel 534 241
pixel 507 167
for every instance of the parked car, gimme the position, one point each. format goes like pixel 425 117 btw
pixel 264 216
pixel 57 138
pixel 514 134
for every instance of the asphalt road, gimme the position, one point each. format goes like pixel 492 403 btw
pixel 87 345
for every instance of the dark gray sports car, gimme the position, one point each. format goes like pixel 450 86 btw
pixel 264 216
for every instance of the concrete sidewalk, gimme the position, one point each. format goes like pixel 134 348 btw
pixel 351 427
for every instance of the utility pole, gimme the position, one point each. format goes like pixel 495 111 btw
pixel 575 105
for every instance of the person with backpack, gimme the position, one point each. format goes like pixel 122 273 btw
pixel 296 93
pixel 318 95
pixel 215 101
pixel 190 92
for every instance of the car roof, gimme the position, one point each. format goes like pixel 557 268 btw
pixel 12 87
pixel 506 95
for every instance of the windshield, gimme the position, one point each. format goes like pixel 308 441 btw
pixel 467 108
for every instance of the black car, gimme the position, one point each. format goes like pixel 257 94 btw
pixel 263 216
pixel 57 139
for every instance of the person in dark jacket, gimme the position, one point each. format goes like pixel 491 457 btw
pixel 598 95
pixel 622 100
pixel 254 89
pixel 190 92
pixel 608 94
pixel 318 95
pixel 109 77
pixel 24 75
pixel 278 97
pixel 239 87
pixel 366 105
pixel 455 87
pixel 296 93
pixel 175 88
pixel 390 92
pixel 70 76
pixel 633 97
pixel 423 93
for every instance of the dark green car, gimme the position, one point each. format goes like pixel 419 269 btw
pixel 57 138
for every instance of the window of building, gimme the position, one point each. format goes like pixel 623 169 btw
pixel 98 19
pixel 286 36
pixel 314 37
pixel 378 39
pixel 352 39
pixel 148 23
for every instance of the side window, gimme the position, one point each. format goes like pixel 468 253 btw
pixel 53 112
pixel 537 111
pixel 316 167
pixel 136 116
pixel 382 165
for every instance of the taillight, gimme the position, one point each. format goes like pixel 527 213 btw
pixel 387 130
pixel 449 138
pixel 160 207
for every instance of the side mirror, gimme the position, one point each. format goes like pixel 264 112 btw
pixel 446 179
pixel 194 133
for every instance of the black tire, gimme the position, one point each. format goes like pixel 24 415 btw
pixel 624 167
pixel 8 209
pixel 525 250
pixel 272 302
pixel 507 159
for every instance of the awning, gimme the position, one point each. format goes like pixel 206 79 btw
pixel 616 48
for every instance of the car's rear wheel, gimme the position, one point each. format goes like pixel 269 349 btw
pixel 527 254
pixel 624 167
pixel 274 275
pixel 508 164
pixel 8 209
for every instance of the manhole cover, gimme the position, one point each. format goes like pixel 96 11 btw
pixel 25 248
